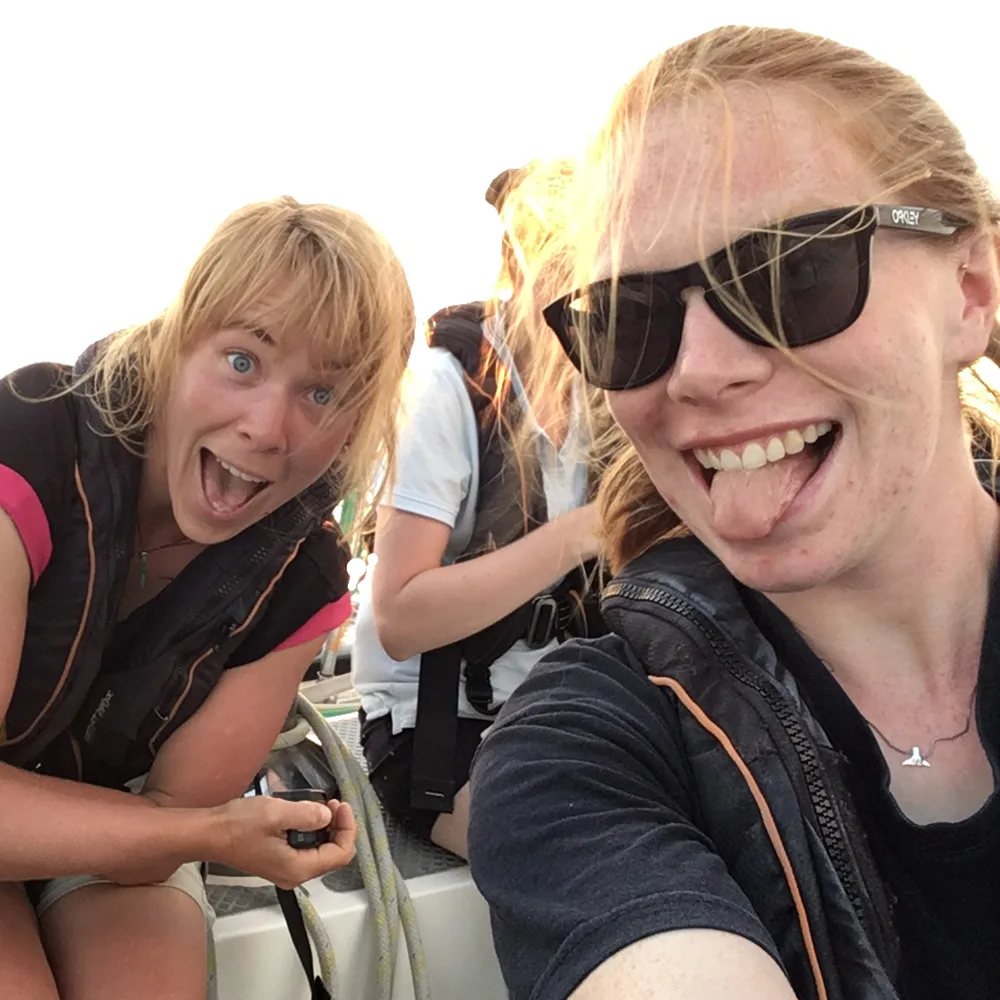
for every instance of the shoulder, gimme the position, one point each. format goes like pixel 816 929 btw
pixel 37 380
pixel 459 329
pixel 588 768
pixel 36 396
pixel 436 395
pixel 324 555
pixel 597 696
pixel 433 368
pixel 38 448
pixel 37 415
pixel 577 669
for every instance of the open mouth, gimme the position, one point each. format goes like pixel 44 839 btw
pixel 813 442
pixel 227 488
pixel 752 485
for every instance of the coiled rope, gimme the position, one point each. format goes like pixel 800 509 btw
pixel 388 898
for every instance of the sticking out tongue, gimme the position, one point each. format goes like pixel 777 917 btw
pixel 747 505
pixel 225 492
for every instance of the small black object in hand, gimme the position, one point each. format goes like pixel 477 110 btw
pixel 301 839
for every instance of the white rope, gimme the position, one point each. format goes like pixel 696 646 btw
pixel 388 896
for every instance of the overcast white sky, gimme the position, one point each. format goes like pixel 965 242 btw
pixel 128 131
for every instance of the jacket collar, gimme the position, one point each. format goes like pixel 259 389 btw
pixel 685 568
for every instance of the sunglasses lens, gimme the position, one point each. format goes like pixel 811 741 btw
pixel 804 284
pixel 631 331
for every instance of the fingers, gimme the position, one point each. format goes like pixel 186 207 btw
pixel 318 861
pixel 287 866
pixel 343 829
pixel 302 815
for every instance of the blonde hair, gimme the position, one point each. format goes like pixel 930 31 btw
pixel 912 147
pixel 314 274
pixel 534 209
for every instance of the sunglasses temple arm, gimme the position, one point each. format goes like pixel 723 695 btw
pixel 918 220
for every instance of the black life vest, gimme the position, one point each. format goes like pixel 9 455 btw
pixel 510 503
pixel 77 712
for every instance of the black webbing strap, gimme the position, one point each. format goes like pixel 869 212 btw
pixel 297 929
pixel 296 925
pixel 435 736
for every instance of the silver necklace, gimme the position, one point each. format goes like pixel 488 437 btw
pixel 915 757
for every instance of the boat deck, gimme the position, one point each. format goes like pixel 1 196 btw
pixel 256 961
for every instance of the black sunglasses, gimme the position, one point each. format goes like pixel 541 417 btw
pixel 806 279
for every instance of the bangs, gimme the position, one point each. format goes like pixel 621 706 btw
pixel 306 275
pixel 334 290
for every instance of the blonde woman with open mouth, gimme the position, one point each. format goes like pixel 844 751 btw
pixel 167 577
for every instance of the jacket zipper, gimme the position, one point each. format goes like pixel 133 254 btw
pixel 188 680
pixel 232 630
pixel 224 588
pixel 830 830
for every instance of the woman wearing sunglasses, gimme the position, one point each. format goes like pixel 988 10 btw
pixel 776 778
pixel 167 577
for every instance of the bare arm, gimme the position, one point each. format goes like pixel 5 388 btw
pixel 420 604
pixel 214 756
pixel 51 827
pixel 695 964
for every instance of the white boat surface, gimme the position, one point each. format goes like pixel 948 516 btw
pixel 255 958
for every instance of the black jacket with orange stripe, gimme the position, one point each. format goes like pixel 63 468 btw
pixel 83 711
pixel 771 788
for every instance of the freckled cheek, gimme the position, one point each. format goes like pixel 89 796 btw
pixel 671 478
pixel 635 412
pixel 200 394
pixel 319 450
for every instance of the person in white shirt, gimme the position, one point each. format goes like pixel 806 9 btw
pixel 423 596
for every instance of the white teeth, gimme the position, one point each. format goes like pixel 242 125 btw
pixel 238 473
pixel 754 457
pixel 757 454
pixel 730 460
pixel 775 450
pixel 794 442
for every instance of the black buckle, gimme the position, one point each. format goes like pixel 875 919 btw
pixel 544 622
pixel 479 688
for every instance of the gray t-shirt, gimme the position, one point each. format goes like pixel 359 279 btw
pixel 437 476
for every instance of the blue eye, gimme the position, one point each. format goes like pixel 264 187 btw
pixel 241 362
pixel 321 395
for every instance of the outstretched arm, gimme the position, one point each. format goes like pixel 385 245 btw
pixel 694 964
pixel 50 827
pixel 586 840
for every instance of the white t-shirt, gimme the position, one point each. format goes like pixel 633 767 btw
pixel 437 476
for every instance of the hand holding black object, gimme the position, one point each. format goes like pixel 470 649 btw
pixel 301 839
pixel 257 837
